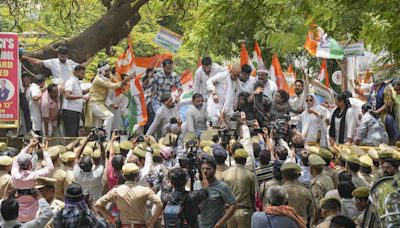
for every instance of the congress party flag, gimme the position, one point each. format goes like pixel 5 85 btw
pixel 290 78
pixel 277 75
pixel 319 44
pixel 323 74
pixel 125 65
pixel 187 87
pixel 257 57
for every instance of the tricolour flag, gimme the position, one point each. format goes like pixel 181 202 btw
pixel 125 65
pixel 319 44
pixel 290 78
pixel 277 75
pixel 187 87
pixel 323 74
pixel 136 114
pixel 257 57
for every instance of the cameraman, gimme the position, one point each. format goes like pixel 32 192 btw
pixel 23 179
pixel 87 175
pixel 178 178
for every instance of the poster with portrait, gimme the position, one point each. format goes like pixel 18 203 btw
pixel 9 96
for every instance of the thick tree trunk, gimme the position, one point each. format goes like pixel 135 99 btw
pixel 109 30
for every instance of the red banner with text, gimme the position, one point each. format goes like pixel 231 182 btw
pixel 9 95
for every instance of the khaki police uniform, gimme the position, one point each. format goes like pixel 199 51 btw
pixel 130 198
pixel 5 178
pixel 244 186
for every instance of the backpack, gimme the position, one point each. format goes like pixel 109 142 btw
pixel 173 213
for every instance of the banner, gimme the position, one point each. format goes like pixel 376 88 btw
pixel 168 40
pixel 353 49
pixel 9 91
pixel 325 93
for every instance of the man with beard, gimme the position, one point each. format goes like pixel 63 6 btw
pixel 196 116
pixel 169 110
pixel 61 67
pixel 207 70
pixel 73 102
pixel 390 167
pixel 269 88
pixel 98 93
pixel 298 102
pixel 225 89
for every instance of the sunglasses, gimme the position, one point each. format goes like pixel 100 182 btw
pixel 309 100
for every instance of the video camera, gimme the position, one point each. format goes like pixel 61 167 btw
pixel 192 163
pixel 281 127
pixel 98 134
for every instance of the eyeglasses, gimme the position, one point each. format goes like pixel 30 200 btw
pixel 309 100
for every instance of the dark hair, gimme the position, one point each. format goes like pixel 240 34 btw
pixel 304 159
pixel 102 63
pixel 236 145
pixel 131 176
pixel 206 61
pixel 290 175
pixel 367 170
pixel 39 79
pixel 246 68
pixel 196 95
pixel 79 67
pixel 344 176
pixel 86 164
pixel 345 189
pixel 344 98
pixel 245 95
pixel 51 86
pixel 353 166
pixel 282 152
pixel 298 141
pixel 265 157
pixel 258 84
pixel 9 209
pixel 166 62
pixel 331 205
pixel 392 161
pixel 284 95
pixel 63 50
pixel 341 221
pixel 24 74
pixel 178 177
pixel 117 162
pixel 256 149
pixel 299 80
pixel 365 107
pixel 165 97
pixel 210 161
pixel 240 160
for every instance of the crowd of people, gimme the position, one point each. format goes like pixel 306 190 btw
pixel 244 154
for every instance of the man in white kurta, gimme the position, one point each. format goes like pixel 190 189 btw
pixel 225 89
pixel 270 87
pixel 207 70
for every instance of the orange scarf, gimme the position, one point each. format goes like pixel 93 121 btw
pixel 286 210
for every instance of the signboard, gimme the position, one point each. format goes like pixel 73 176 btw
pixel 322 91
pixel 168 40
pixel 337 77
pixel 353 49
pixel 9 95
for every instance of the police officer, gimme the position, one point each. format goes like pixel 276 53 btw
pixel 5 178
pixel 130 198
pixel 244 185
pixel 320 183
pixel 353 165
pixel 60 175
pixel 330 207
pixel 46 186
pixel 299 196
pixel 361 195
pixel 366 169
pixel 332 173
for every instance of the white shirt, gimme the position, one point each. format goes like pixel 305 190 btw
pixel 162 119
pixel 200 79
pixel 248 86
pixel 61 72
pixel 73 85
pixel 270 88
pixel 34 106
pixel 90 181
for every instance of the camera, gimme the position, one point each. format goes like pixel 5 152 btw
pixel 25 192
pixel 98 134
pixel 123 135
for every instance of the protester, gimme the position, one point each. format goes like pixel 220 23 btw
pixel 342 121
pixel 245 79
pixel 34 96
pixel 270 87
pixel 24 102
pixel 281 106
pixel 298 102
pixel 371 131
pixel 196 116
pixel 207 70
pixel 74 98
pixel 50 108
pixel 10 212
pixel 163 82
